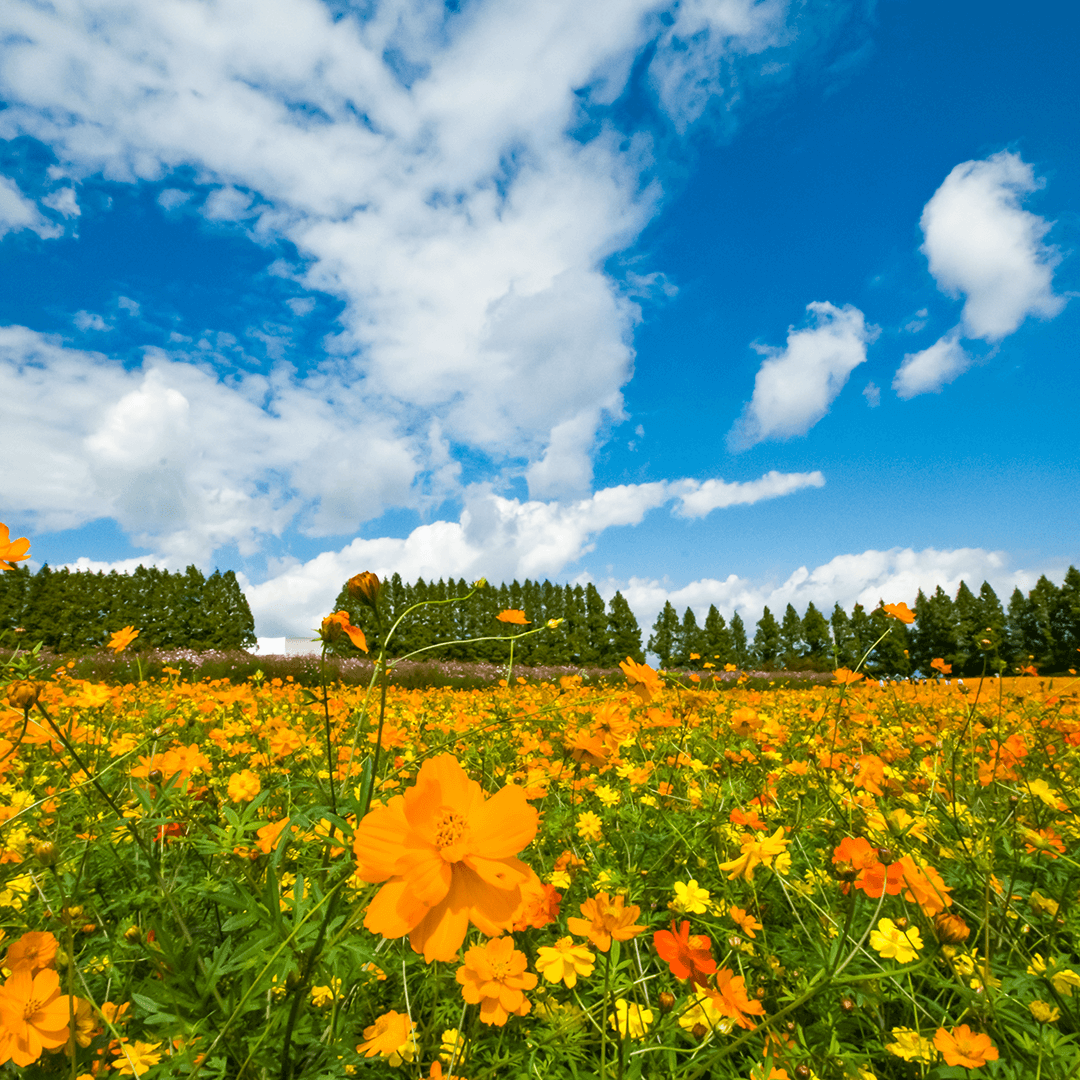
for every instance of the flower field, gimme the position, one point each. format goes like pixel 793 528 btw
pixel 543 879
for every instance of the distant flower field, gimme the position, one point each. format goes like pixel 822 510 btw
pixel 265 880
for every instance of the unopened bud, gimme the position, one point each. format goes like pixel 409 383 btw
pixel 45 852
pixel 480 583
pixel 133 935
pixel 365 588
pixel 951 929
pixel 667 1002
pixel 24 693
pixel 699 1031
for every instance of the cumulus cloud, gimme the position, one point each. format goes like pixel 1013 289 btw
pixel 926 372
pixel 455 177
pixel 865 578
pixel 17 212
pixel 495 537
pixel 796 384
pixel 981 243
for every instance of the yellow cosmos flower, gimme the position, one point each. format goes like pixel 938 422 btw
pixel 1044 1012
pixel 136 1058
pixel 564 962
pixel 911 1046
pixel 630 1020
pixel 690 898
pixel 755 852
pixel 244 786
pixel 590 826
pixel 892 943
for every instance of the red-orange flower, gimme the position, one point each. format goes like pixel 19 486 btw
pixel 939 665
pixel 962 1046
pixel 689 957
pixel 446 855
pixel 33 1015
pixel 493 977
pixel 12 551
pixel 514 616
pixel 606 917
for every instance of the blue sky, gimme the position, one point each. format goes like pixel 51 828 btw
pixel 717 302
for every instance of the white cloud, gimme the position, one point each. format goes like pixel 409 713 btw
pixel 63 201
pixel 982 244
pixel 928 371
pixel 495 537
pixel 125 303
pixel 796 385
pixel 872 393
pixel 18 212
pixel 87 320
pixel 865 578
pixel 423 163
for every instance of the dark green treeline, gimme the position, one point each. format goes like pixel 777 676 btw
pixel 971 631
pixel 74 611
pixel 592 634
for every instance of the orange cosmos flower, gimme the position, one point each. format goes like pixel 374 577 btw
pixel 12 551
pixel 32 952
pixel 962 1046
pixel 845 676
pixel 244 786
pixel 730 998
pixel 641 679
pixel 606 917
pixel 688 957
pixel 364 587
pixel 333 626
pixel 746 923
pixel 121 639
pixel 391 1036
pixel 512 615
pixel 33 1015
pixel 939 665
pixel 446 855
pixel 493 977
pixel 899 611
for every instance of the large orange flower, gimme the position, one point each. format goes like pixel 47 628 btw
pixel 33 1015
pixel 447 856
pixel 12 551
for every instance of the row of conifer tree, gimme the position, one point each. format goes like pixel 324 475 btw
pixel 967 631
pixel 73 611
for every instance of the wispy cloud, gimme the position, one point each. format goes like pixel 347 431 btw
pixel 796 385
pixel 928 371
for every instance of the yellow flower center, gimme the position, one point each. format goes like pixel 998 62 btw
pixel 451 831
pixel 30 1008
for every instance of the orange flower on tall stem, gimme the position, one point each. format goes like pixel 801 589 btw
pixel 899 611
pixel 333 626
pixel 34 1015
pixel 12 551
pixel 121 639
pixel 513 616
pixel 606 917
pixel 641 678
pixel 447 857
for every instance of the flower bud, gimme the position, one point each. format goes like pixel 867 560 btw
pixel 365 588
pixel 699 1031
pixel 951 929
pixel 847 1004
pixel 45 852
pixel 23 693
pixel 667 1002
pixel 133 935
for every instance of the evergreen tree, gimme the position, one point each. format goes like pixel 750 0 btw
pixel 791 644
pixel 767 641
pixel 817 641
pixel 598 651
pixel 624 630
pixel 967 620
pixel 574 629
pixel 1068 621
pixel 843 639
pixel 991 625
pixel 14 592
pixel 664 639
pixel 689 642
pixel 717 647
pixel 1022 630
pixel 935 631
pixel 740 647
pixel 891 655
